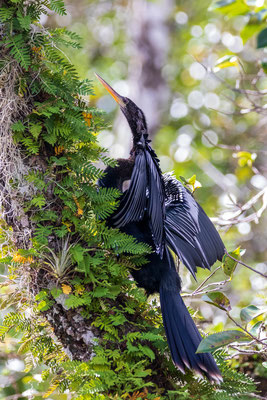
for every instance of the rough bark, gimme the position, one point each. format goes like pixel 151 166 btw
pixel 71 329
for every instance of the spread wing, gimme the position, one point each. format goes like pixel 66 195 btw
pixel 189 231
pixel 145 196
pixel 133 202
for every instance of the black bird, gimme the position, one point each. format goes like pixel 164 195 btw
pixel 158 210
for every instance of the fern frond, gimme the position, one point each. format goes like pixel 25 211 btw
pixel 58 6
pixel 20 51
pixel 6 13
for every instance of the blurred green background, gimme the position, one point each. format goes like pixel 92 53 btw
pixel 164 56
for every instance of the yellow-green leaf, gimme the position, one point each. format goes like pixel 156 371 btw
pixel 218 299
pixel 249 312
pixel 230 8
pixel 228 264
pixel 192 182
pixel 226 62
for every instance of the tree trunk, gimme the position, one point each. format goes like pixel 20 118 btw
pixel 149 31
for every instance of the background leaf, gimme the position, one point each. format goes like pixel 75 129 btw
pixel 220 339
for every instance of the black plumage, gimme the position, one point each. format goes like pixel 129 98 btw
pixel 158 210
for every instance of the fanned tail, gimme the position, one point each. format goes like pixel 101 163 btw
pixel 183 337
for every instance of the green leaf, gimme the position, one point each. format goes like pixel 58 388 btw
pixel 147 351
pixel 17 48
pixel 58 6
pixel 31 145
pixel 61 232
pixel 41 295
pixel 3 330
pixel 217 299
pixel 50 138
pixel 35 130
pixel 230 7
pixel 6 13
pixel 78 252
pixel 56 292
pixel 59 161
pixel 5 260
pixel 249 312
pixel 38 201
pixel 254 330
pixel 24 20
pixel 262 39
pixel 18 127
pixel 254 317
pixel 100 291
pixel 255 24
pixel 191 182
pixel 114 291
pixel 44 305
pixel 264 364
pixel 118 319
pixel 264 66
pixel 220 339
pixel 228 264
pixel 74 301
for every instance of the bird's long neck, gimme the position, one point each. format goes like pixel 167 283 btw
pixel 138 125
pixel 115 176
pixel 140 134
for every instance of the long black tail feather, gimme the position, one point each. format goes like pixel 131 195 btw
pixel 183 337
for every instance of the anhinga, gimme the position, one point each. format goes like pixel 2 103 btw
pixel 158 210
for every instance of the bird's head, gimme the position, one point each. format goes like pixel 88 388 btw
pixel 133 114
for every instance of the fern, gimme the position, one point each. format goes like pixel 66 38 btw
pixel 19 50
pixel 31 145
pixel 65 37
pixel 24 21
pixel 89 171
pixel 58 6
pixel 6 13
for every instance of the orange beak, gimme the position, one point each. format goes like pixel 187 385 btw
pixel 115 95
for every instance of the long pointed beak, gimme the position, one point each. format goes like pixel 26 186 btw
pixel 115 95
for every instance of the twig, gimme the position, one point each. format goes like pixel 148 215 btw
pixel 205 280
pixel 232 148
pixel 204 290
pixel 242 351
pixel 245 207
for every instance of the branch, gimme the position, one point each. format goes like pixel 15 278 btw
pixel 242 351
pixel 205 289
pixel 246 92
pixel 235 218
pixel 236 147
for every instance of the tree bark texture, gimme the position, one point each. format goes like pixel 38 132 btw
pixel 70 328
